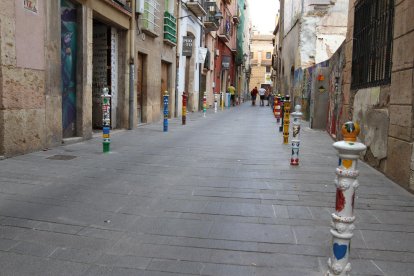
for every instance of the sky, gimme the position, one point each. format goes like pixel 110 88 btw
pixel 263 14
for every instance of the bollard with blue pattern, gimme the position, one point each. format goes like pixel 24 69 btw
pixel 346 184
pixel 166 111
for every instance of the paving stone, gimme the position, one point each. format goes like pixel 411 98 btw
pixel 76 255
pixel 201 199
pixel 33 249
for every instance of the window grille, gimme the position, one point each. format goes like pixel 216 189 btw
pixel 372 44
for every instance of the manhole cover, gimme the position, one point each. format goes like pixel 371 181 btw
pixel 61 157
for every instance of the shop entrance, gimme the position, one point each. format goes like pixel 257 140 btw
pixel 105 71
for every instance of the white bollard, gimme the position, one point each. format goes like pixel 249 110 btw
pixel 346 184
pixel 297 116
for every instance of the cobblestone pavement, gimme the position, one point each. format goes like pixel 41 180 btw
pixel 214 197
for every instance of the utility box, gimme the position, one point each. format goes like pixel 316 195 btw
pixel 139 6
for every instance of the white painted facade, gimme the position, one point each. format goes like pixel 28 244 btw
pixel 323 25
pixel 188 24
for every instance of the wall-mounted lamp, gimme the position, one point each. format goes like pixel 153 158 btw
pixel 218 16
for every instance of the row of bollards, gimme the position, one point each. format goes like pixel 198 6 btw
pixel 346 180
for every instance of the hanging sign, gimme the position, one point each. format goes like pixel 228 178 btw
pixel 202 53
pixel 188 46
pixel 225 62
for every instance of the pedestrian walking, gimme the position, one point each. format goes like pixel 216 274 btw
pixel 267 95
pixel 253 93
pixel 232 92
pixel 262 93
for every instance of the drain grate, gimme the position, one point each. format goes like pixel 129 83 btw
pixel 61 157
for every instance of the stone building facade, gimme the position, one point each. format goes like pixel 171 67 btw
pixel 48 81
pixel 261 60
pixel 310 32
pixel 155 56
pixel 382 99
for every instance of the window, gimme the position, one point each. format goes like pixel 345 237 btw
pixel 267 69
pixel 268 55
pixel 149 17
pixel 372 43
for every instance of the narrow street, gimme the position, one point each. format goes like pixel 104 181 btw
pixel 214 197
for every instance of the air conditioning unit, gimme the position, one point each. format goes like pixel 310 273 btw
pixel 217 53
pixel 139 6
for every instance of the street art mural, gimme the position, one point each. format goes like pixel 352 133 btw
pixel 68 58
pixel 335 116
pixel 302 83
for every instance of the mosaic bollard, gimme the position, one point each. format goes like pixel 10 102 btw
pixel 204 104
pixel 166 111
pixel 297 115
pixel 346 185
pixel 282 104
pixel 286 119
pixel 215 103
pixel 184 111
pixel 276 108
pixel 106 120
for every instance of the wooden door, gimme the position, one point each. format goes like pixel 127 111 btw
pixel 164 83
pixel 140 86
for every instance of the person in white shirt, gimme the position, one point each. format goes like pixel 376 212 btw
pixel 262 93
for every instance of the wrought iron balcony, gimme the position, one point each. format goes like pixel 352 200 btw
pixel 224 32
pixel 197 7
pixel 211 21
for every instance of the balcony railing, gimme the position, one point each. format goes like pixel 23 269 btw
pixel 224 32
pixel 197 7
pixel 170 29
pixel 211 23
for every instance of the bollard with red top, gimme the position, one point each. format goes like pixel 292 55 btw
pixel 204 104
pixel 276 108
pixel 286 119
pixel 346 184
pixel 184 110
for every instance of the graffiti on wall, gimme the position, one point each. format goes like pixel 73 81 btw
pixel 68 57
pixel 335 94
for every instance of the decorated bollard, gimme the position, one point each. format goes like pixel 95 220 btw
pixel 297 115
pixel 286 119
pixel 215 103
pixel 184 111
pixel 277 107
pixel 165 111
pixel 204 104
pixel 106 120
pixel 282 104
pixel 222 100
pixel 346 185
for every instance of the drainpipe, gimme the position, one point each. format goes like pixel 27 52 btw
pixel 177 60
pixel 132 67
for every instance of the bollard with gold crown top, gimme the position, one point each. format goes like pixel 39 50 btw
pixel 346 184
